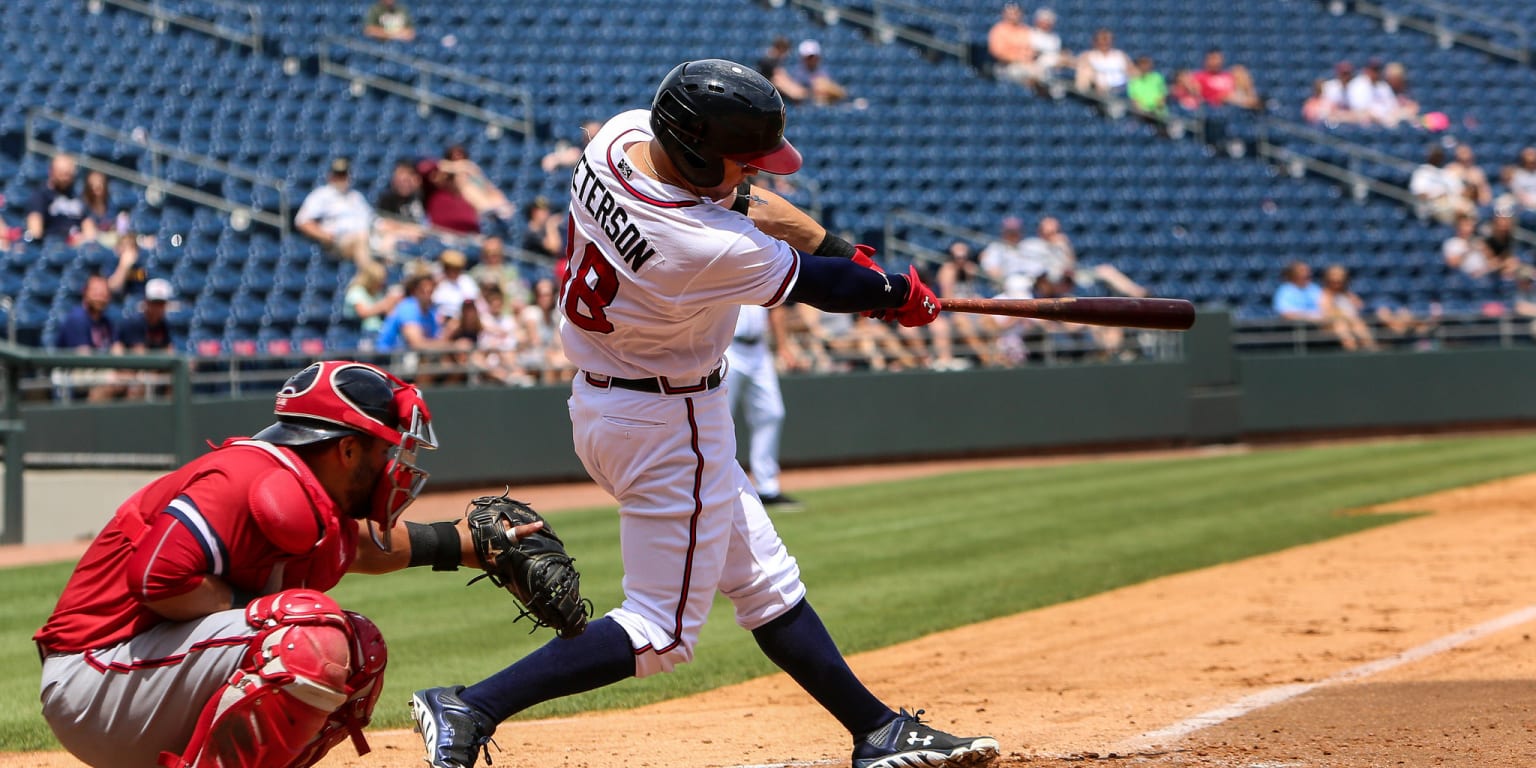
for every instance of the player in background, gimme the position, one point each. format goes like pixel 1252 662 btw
pixel 196 631
pixel 753 383
pixel 668 237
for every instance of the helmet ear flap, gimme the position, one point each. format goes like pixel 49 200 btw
pixel 681 130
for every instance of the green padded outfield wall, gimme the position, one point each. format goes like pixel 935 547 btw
pixel 493 436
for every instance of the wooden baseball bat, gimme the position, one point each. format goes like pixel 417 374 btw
pixel 1160 314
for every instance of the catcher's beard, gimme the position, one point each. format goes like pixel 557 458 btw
pixel 360 485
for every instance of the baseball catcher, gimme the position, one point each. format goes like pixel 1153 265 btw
pixel 535 569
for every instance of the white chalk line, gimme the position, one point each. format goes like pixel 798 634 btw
pixel 1281 693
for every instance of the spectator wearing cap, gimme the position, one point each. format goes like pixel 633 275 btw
pixel 812 74
pixel 1049 55
pixel 149 331
pixel 773 65
pixel 338 216
pixel 454 287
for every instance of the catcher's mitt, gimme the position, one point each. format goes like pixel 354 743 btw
pixel 536 570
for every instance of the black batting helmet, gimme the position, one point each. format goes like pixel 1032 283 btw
pixel 712 110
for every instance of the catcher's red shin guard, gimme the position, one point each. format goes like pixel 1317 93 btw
pixel 312 677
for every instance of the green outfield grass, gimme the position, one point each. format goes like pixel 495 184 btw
pixel 885 563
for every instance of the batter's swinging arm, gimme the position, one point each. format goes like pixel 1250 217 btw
pixel 1158 314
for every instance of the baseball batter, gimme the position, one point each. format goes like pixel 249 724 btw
pixel 196 629
pixel 753 385
pixel 667 238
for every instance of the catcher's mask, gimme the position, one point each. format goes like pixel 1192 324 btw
pixel 336 398
pixel 709 111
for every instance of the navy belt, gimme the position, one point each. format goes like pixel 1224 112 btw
pixel 657 385
pixel 748 339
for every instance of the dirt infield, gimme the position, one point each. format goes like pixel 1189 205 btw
pixel 1406 645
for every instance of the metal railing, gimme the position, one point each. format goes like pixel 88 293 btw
pixel 1427 333
pixel 898 219
pixel 157 180
pixel 161 17
pixel 1441 25
pixel 422 86
pixel 877 20
pixel 1351 175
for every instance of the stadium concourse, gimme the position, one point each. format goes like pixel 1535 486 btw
pixel 255 127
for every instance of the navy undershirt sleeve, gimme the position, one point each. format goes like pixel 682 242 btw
pixel 839 285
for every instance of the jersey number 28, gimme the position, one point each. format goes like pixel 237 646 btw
pixel 593 284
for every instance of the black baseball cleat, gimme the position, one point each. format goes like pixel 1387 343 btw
pixel 908 742
pixel 781 502
pixel 454 732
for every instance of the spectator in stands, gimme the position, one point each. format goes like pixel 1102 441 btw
pixel 1318 109
pixel 1523 299
pixel 500 337
pixel 1464 250
pixel 1012 49
pixel 55 211
pixel 1341 308
pixel 1369 95
pixel 412 325
pixel 1499 243
pixel 1049 55
pixel 1049 252
pixel 1335 89
pixel 813 75
pixel 1439 191
pixel 1147 89
pixel 1298 298
pixel 1474 180
pixel 1219 85
pixel 463 332
pixel 565 154
pixel 97 197
pixel 88 329
pixel 1103 69
pixel 543 234
pixel 474 184
pixel 446 206
pixel 129 276
pixel 389 20
pixel 494 268
pixel 401 200
pixel 368 301
pixel 149 330
pixel 774 65
pixel 1005 256
pixel 338 216
pixel 960 277
pixel 1520 179
pixel 454 286
pixel 1185 92
pixel 544 355
pixel 1396 96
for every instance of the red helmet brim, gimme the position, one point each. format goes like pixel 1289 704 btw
pixel 780 161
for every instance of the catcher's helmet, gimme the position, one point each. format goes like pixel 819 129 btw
pixel 336 398
pixel 711 110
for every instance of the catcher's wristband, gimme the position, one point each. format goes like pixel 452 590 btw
pixel 436 545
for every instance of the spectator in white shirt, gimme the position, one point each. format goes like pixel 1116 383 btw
pixel 338 216
pixel 1104 68
pixel 454 287
pixel 1438 190
pixel 1521 179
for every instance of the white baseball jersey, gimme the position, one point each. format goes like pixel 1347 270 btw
pixel 656 275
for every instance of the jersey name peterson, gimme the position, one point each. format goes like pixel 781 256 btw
pixel 609 215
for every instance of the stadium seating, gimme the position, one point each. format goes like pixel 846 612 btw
pixel 934 138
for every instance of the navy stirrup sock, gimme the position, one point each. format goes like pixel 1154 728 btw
pixel 799 644
pixel 597 657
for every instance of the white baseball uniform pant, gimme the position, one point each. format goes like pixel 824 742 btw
pixel 689 523
pixel 754 381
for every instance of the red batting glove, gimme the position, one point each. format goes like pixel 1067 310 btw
pixel 861 257
pixel 922 305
